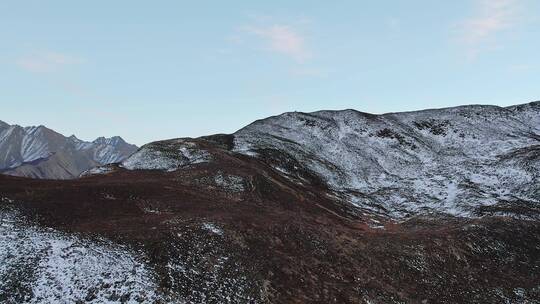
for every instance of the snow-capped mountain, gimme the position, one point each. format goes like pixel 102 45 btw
pixel 43 153
pixel 461 161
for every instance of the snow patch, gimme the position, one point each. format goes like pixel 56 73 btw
pixel 167 156
pixel 229 182
pixel 98 171
pixel 212 228
pixel 48 266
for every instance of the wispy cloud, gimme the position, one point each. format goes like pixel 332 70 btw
pixel 46 62
pixel 282 39
pixel 491 18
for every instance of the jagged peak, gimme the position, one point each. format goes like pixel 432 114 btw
pixel 26 144
pixel 31 129
pixel 74 138
pixel 115 140
pixel 100 140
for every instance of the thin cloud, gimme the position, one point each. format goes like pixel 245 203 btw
pixel 282 39
pixel 492 17
pixel 46 62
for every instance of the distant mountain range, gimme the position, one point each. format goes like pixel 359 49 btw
pixel 40 152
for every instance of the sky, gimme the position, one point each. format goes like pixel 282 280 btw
pixel 150 70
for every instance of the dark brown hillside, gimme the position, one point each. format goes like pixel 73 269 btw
pixel 280 241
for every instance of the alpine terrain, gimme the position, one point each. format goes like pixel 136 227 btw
pixel 40 152
pixel 433 206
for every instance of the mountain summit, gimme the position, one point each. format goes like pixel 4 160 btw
pixel 40 152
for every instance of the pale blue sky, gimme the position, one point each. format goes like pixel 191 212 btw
pixel 148 70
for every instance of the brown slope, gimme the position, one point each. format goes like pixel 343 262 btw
pixel 292 242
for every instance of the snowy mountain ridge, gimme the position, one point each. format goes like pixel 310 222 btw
pixel 461 161
pixel 445 159
pixel 22 148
